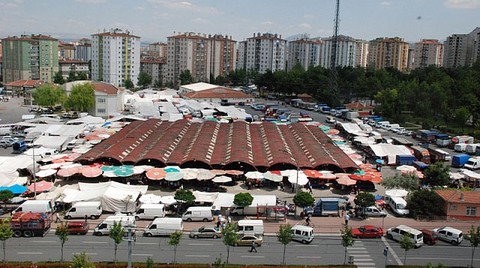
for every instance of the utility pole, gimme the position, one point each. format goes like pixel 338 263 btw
pixel 333 56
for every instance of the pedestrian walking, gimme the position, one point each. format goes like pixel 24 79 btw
pixel 57 217
pixel 307 220
pixel 254 247
pixel 229 219
pixel 346 218
pixel 310 188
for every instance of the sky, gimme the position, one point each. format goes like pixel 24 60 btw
pixel 155 20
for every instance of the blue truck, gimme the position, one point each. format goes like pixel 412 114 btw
pixel 405 160
pixel 325 206
pixel 459 160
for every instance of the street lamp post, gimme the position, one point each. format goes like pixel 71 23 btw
pixel 34 175
pixel 298 168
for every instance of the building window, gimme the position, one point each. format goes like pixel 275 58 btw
pixel 471 211
pixel 101 110
pixel 453 207
pixel 101 100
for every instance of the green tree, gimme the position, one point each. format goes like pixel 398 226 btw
pixel 128 83
pixel 284 236
pixel 174 241
pixel 150 263
pixel 6 232
pixel 144 79
pixel 117 233
pixel 437 174
pixel 230 237
pixel 62 233
pixel 243 200
pixel 58 78
pixel 82 261
pixel 185 77
pixel 303 199
pixel 347 240
pixel 71 76
pixel 81 76
pixel 48 95
pixel 406 244
pixel 364 200
pixel 5 196
pixel 82 97
pixel 474 238
pixel 158 83
pixel 425 203
pixel 408 182
pixel 185 197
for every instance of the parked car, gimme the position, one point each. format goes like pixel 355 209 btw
pixel 7 141
pixel 206 232
pixel 367 231
pixel 77 227
pixel 429 237
pixel 247 240
pixel 373 211
pixel 449 234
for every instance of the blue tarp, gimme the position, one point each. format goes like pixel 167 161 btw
pixel 15 189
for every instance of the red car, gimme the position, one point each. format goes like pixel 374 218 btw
pixel 367 231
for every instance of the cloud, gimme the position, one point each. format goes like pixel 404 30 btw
pixel 267 23
pixel 11 4
pixel 305 25
pixel 91 1
pixel 462 3
pixel 184 5
pixel 139 8
pixel 385 3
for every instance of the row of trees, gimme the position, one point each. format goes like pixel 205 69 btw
pixel 81 97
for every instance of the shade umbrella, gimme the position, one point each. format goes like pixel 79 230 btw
pixel 168 200
pixel 254 175
pixel 108 168
pixel 406 168
pixel 68 172
pixel 174 176
pixel 328 176
pixel 333 131
pixel 41 186
pixel 345 180
pixel 51 166
pixel 222 179
pixel 45 173
pixel 396 192
pixel 298 178
pixel 123 171
pixel 16 199
pixel 190 173
pixel 145 167
pixel 15 189
pixel 71 166
pixel 234 172
pixel 358 177
pixel 169 169
pixel 312 173
pixel 376 179
pixel 204 175
pixel 217 171
pixel 109 174
pixel 272 177
pixel 138 170
pixel 91 172
pixel 156 174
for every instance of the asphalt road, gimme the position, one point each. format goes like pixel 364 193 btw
pixel 323 250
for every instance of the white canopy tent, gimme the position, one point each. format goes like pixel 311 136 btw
pixel 389 151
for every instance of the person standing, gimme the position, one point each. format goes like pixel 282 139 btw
pixel 254 247
pixel 346 217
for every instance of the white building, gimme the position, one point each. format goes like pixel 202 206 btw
pixel 115 57
pixel 361 53
pixel 462 49
pixel 428 52
pixel 305 52
pixel 263 52
pixel 346 52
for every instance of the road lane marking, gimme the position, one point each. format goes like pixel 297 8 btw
pixel 198 256
pixel 309 257
pixel 252 256
pixel 306 245
pixel 195 244
pixel 361 260
pixel 391 251
pixel 142 254
pixel 46 241
pixel 94 242
pixel 29 253
pixel 145 243
pixel 86 253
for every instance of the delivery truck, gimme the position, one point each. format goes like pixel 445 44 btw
pixel 325 206
pixel 92 210
pixel 29 224
pixel 105 226
pixel 163 227
pixel 473 163
pixel 459 160
pixel 150 211
pixel 39 206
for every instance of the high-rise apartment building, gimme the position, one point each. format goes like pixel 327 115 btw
pixel 155 67
pixel 223 56
pixel 427 52
pixel 115 57
pixel 33 57
pixel 462 49
pixel 204 56
pixel 66 51
pixel 346 52
pixel 263 52
pixel 155 50
pixel 388 53
pixel 83 50
pixel 361 53
pixel 304 51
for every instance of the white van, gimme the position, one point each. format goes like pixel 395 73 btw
pixel 473 163
pixel 91 209
pixel 449 234
pixel 382 124
pixel 104 227
pixel 254 227
pixel 302 233
pixel 163 227
pixel 397 204
pixel 150 211
pixel 38 206
pixel 198 214
pixel 397 233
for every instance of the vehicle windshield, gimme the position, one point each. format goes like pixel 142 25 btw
pixel 401 206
